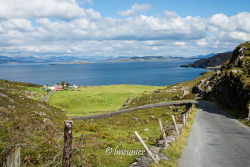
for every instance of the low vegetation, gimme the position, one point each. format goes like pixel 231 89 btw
pixel 28 122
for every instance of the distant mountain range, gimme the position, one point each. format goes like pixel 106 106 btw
pixel 211 62
pixel 144 58
pixel 87 59
pixel 77 60
pixel 42 59
pixel 205 56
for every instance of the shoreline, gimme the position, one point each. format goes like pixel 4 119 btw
pixel 86 86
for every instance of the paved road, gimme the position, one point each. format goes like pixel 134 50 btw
pixel 106 115
pixel 45 99
pixel 216 140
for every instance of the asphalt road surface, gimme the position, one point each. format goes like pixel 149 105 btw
pixel 216 140
pixel 45 99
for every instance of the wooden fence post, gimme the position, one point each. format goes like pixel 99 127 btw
pixel 67 150
pixel 13 159
pixel 186 116
pixel 163 133
pixel 175 125
pixel 184 119
pixel 249 112
pixel 146 148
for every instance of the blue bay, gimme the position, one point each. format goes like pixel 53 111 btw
pixel 157 73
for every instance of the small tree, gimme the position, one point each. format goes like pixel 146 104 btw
pixel 64 84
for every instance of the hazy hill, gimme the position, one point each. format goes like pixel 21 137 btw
pixel 43 59
pixel 143 58
pixel 216 60
pixel 205 56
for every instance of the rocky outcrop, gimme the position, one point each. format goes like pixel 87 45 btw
pixel 230 85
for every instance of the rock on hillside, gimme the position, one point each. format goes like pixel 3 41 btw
pixel 230 86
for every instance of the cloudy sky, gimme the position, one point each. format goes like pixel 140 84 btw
pixel 122 28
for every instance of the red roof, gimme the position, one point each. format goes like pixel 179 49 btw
pixel 59 87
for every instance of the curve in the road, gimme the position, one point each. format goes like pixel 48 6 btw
pixel 106 115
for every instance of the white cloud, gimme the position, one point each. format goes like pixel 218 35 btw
pixel 201 42
pixel 177 43
pixel 222 21
pixel 18 24
pixel 91 34
pixel 135 9
pixel 40 8
pixel 236 35
pixel 232 28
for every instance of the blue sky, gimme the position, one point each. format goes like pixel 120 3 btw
pixel 184 8
pixel 122 28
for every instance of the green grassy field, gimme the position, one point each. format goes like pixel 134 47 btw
pixel 93 100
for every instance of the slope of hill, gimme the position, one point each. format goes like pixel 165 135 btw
pixel 205 56
pixel 216 60
pixel 230 86
pixel 31 123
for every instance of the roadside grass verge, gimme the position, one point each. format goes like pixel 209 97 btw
pixel 174 151
pixel 236 114
pixel 247 123
pixel 97 99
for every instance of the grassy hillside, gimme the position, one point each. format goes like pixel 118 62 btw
pixel 28 122
pixel 93 100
